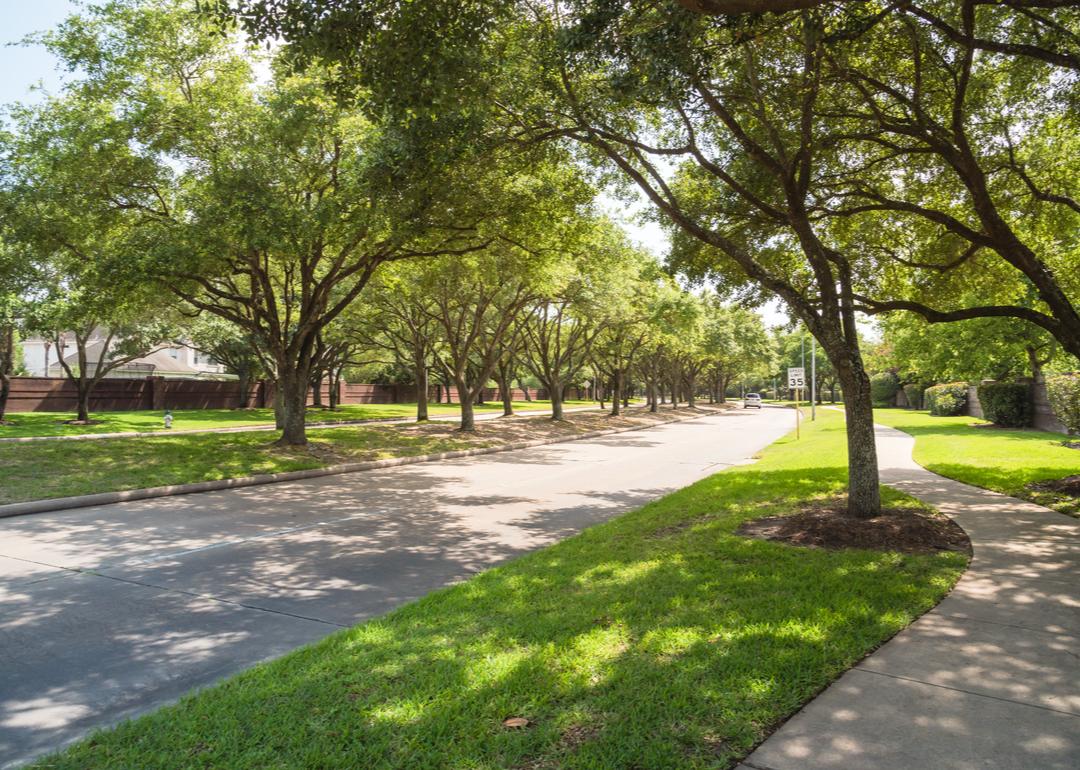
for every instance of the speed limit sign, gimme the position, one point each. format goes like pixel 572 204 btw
pixel 796 377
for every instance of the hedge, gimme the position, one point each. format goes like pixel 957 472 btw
pixel 883 389
pixel 946 400
pixel 1064 395
pixel 1006 403
pixel 914 394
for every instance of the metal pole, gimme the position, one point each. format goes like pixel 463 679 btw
pixel 813 379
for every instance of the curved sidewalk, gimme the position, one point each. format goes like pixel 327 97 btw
pixel 987 680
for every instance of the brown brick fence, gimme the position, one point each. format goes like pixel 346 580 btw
pixel 57 394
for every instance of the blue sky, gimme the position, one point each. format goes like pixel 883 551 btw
pixel 23 66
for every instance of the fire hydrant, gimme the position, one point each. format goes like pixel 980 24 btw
pixel 168 419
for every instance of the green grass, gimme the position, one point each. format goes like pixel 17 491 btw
pixel 993 458
pixel 657 640
pixel 47 469
pixel 52 423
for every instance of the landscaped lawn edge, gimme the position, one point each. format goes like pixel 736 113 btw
pixel 49 505
pixel 264 427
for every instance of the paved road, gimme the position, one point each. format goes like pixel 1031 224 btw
pixel 111 611
pixel 987 680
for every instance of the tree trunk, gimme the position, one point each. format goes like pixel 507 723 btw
pixel 616 395
pixel 316 391
pixel 556 389
pixel 293 388
pixel 83 388
pixel 244 383
pixel 279 406
pixel 335 387
pixel 468 417
pixel 507 393
pixel 5 391
pixel 525 390
pixel 420 374
pixel 691 385
pixel 864 491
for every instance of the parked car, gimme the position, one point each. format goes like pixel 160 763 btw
pixel 752 400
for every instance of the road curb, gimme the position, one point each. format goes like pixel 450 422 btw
pixel 130 495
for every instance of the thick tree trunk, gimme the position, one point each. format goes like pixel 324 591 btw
pixel 468 417
pixel 279 406
pixel 616 395
pixel 556 390
pixel 83 408
pixel 525 390
pixel 420 374
pixel 293 389
pixel 316 391
pixel 691 385
pixel 507 393
pixel 864 491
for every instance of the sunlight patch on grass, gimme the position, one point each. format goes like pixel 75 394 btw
pixel 1003 460
pixel 622 648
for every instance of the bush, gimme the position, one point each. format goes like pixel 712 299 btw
pixel 883 389
pixel 1006 403
pixel 946 400
pixel 1064 394
pixel 914 394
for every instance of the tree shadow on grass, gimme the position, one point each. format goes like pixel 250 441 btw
pixel 634 644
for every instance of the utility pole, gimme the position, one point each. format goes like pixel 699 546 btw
pixel 813 379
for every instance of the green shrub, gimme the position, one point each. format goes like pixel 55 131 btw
pixel 1006 403
pixel 914 394
pixel 1064 394
pixel 946 400
pixel 883 388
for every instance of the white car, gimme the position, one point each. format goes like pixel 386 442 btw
pixel 752 400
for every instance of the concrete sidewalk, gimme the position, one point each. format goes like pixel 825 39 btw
pixel 988 680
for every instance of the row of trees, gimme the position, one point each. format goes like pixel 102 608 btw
pixel 847 157
pixel 171 192
pixel 844 157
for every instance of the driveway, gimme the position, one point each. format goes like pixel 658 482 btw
pixel 109 612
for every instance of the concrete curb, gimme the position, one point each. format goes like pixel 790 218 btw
pixel 108 498
pixel 267 428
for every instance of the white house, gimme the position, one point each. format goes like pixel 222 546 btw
pixel 171 360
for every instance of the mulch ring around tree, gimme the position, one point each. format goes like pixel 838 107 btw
pixel 1063 495
pixel 826 524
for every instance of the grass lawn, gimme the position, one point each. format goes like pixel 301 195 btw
pixel 993 458
pixel 657 640
pixel 43 469
pixel 52 423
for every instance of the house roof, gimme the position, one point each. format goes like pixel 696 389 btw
pixel 160 361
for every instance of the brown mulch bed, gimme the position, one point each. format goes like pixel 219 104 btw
pixel 1070 485
pixel 827 525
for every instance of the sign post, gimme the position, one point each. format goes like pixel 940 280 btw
pixel 796 380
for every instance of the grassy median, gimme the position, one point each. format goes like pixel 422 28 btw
pixel 24 424
pixel 1004 460
pixel 660 639
pixel 45 469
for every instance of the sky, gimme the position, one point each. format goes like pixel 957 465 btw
pixel 25 68
pixel 22 67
